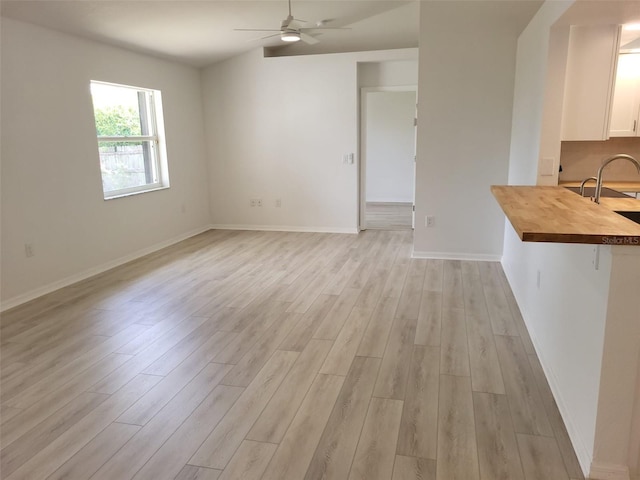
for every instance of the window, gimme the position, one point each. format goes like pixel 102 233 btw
pixel 129 129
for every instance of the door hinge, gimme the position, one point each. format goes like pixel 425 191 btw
pixel 415 122
pixel 413 208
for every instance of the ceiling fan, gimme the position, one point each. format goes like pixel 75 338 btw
pixel 292 30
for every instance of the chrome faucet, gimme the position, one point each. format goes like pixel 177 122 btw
pixel 584 182
pixel 607 162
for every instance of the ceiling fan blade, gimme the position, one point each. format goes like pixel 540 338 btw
pixel 308 39
pixel 255 30
pixel 325 28
pixel 269 36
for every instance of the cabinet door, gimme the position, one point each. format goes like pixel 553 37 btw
pixel 591 61
pixel 626 98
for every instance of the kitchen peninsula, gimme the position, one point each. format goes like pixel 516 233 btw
pixel 555 214
pixel 582 306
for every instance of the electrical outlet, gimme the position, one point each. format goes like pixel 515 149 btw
pixel 252 202
pixel 278 203
pixel 259 202
pixel 429 221
pixel 28 250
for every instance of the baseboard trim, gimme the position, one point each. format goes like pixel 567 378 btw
pixel 603 471
pixel 284 228
pixel 577 441
pixel 478 257
pixel 90 272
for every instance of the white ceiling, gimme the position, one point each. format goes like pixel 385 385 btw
pixel 599 12
pixel 200 33
pixel 622 12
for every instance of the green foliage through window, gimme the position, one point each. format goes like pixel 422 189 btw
pixel 117 121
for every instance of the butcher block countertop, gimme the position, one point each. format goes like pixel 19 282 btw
pixel 557 215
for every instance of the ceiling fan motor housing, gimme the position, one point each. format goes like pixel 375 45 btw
pixel 286 22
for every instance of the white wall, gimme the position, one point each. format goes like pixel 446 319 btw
pixel 565 318
pixel 278 128
pixel 51 183
pixel 615 437
pixel 529 94
pixel 386 74
pixel 550 141
pixel 634 443
pixel 466 75
pixel 389 146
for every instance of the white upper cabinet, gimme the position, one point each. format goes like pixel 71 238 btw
pixel 625 111
pixel 589 83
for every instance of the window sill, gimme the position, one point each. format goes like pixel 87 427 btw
pixel 129 194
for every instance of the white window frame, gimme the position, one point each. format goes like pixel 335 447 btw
pixel 157 157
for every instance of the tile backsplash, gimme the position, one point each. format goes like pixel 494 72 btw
pixel 580 160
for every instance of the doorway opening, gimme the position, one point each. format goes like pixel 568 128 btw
pixel 387 154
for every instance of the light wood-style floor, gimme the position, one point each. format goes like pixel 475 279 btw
pixel 389 216
pixel 279 356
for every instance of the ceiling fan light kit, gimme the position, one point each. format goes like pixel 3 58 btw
pixel 290 36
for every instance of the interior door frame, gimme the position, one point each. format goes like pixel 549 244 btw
pixel 362 164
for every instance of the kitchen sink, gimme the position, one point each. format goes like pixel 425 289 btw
pixel 633 216
pixel 606 192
